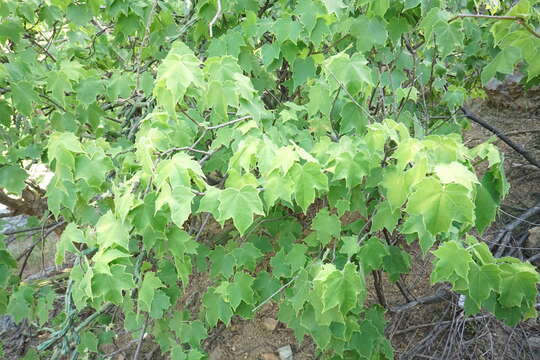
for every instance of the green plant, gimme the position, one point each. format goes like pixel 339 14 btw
pixel 158 117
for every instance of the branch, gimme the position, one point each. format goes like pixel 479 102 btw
pixel 141 338
pixel 505 235
pixel 26 254
pixel 268 4
pixel 36 228
pixel 45 51
pixel 228 123
pixel 501 136
pixel 18 206
pixel 215 18
pixel 440 295
pixel 520 20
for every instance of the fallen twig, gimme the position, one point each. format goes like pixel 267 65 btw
pixel 501 136
pixel 506 233
pixel 440 295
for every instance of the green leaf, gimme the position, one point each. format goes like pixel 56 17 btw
pixel 247 256
pixel 240 205
pixel 397 262
pixel 503 63
pixel 453 262
pixel 70 235
pixel 111 232
pixel 456 173
pixel 176 74
pixel 89 89
pixel 58 84
pixel 483 280
pixel 352 72
pixel 303 69
pixel 241 290
pixel 160 304
pixel 326 226
pixel 216 308
pixel 334 6
pixel 222 262
pixel 287 29
pixel 350 246
pixel 385 217
pixel 23 97
pixel 19 304
pixel 372 26
pixel 148 290
pixel 352 168
pixel 415 224
pixel 372 253
pixel 343 289
pixel 307 179
pixel 12 178
pixel 440 204
pixel 518 284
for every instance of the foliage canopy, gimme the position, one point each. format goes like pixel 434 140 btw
pixel 322 134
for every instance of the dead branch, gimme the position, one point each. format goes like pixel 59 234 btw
pixel 518 148
pixel 505 234
pixel 440 295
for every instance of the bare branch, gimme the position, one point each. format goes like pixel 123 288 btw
pixel 215 18
pixel 501 136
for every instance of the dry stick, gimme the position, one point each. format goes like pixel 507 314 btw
pixel 533 258
pixel 141 338
pixel 274 294
pixel 379 289
pixel 439 296
pixel 520 20
pixel 501 136
pixel 506 233
pixel 36 228
pixel 416 327
pixel 228 123
pixel 521 132
pixel 28 251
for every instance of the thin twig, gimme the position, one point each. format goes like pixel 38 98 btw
pixel 141 338
pixel 513 145
pixel 349 94
pixel 274 294
pixel 228 123
pixel 439 296
pixel 33 41
pixel 505 234
pixel 215 18
pixel 28 251
pixel 415 327
pixel 36 228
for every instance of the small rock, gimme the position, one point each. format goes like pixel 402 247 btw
pixel 269 356
pixel 270 324
pixel 534 342
pixel 285 353
pixel 534 237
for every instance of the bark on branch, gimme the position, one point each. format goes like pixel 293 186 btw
pixel 500 135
